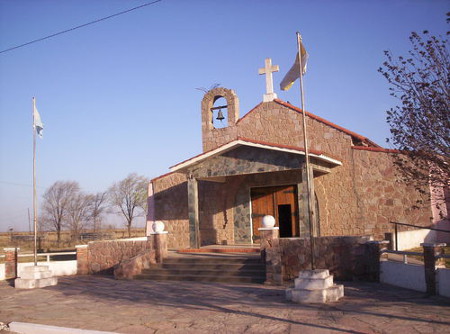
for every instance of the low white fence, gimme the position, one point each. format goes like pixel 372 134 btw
pixel 58 268
pixel 443 278
pixel 409 276
pixel 412 276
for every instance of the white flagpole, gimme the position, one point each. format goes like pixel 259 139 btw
pixel 305 141
pixel 34 184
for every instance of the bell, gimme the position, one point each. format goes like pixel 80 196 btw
pixel 220 116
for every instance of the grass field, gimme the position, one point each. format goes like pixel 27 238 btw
pixel 420 250
pixel 48 241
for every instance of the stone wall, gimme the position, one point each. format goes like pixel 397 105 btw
pixel 171 207
pixel 381 199
pixel 100 257
pixel 344 256
pixel 216 213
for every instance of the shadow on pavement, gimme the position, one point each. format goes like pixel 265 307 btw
pixel 361 299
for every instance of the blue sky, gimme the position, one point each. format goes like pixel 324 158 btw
pixel 120 96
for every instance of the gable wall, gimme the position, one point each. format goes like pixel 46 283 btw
pixel 358 198
pixel 272 122
pixel 171 206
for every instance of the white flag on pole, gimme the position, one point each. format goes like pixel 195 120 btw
pixel 294 72
pixel 37 123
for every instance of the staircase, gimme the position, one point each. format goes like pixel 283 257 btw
pixel 208 267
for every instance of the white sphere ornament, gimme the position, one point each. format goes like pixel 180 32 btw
pixel 268 221
pixel 158 226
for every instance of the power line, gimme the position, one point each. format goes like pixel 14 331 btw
pixel 80 26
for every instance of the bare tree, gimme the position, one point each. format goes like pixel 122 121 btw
pixel 97 208
pixel 56 202
pixel 78 213
pixel 130 197
pixel 420 125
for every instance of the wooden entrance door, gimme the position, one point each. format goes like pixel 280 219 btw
pixel 280 202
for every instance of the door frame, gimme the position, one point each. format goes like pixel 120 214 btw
pixel 297 208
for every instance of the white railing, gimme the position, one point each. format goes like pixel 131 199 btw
pixel 404 254
pixel 59 268
pixel 47 255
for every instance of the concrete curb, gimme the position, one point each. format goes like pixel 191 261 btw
pixel 29 328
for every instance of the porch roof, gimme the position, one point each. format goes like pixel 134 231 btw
pixel 253 143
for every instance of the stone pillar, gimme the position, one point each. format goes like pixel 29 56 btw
pixel 194 229
pixel 431 253
pixel 82 260
pixel 271 254
pixel 11 262
pixel 160 244
pixel 375 254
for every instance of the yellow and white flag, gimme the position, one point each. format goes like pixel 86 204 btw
pixel 294 72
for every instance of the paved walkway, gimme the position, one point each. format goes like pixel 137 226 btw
pixel 102 303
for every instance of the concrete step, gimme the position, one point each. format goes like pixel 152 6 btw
pixel 216 277
pixel 213 266
pixel 204 271
pixel 194 259
pixel 236 268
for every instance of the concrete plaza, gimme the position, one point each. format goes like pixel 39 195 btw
pixel 102 303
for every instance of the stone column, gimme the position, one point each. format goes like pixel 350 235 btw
pixel 431 253
pixel 159 240
pixel 375 254
pixel 194 230
pixel 271 254
pixel 11 262
pixel 82 260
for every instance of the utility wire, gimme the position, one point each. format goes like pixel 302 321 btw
pixel 80 26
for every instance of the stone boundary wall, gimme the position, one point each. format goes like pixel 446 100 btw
pixel 343 256
pixel 129 268
pixel 100 257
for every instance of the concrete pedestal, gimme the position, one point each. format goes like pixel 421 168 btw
pixel 315 286
pixel 35 277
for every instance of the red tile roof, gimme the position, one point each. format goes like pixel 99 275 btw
pixel 375 149
pixel 161 176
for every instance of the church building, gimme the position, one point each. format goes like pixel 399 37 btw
pixel 254 165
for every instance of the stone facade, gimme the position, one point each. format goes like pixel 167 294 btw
pixel 11 262
pixel 171 206
pixel 358 197
pixel 345 257
pixel 129 268
pixel 100 257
